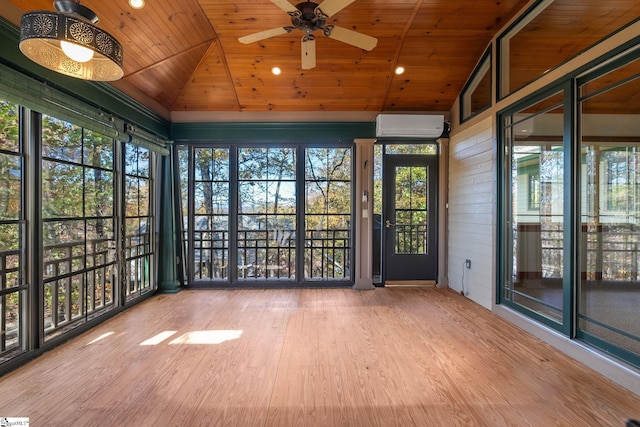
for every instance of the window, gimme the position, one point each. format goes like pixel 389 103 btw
pixel 539 40
pixel 534 180
pixel 64 264
pixel 139 221
pixel 247 205
pixel 267 203
pixel 210 243
pixel 585 245
pixel 13 290
pixel 78 225
pixel 618 168
pixel 327 219
pixel 609 283
pixel 476 95
pixel 534 192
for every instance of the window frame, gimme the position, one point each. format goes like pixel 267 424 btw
pixel 233 279
pixel 623 54
pixel 484 67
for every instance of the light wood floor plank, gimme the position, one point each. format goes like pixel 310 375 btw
pixel 311 357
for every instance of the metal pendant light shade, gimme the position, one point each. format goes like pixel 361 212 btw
pixel 52 40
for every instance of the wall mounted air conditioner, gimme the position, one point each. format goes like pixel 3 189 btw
pixel 409 125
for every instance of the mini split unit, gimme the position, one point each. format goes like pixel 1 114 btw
pixel 409 126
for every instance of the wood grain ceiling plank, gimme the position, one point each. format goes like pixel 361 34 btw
pixel 164 81
pixel 396 57
pixel 210 87
pixel 439 45
pixel 310 82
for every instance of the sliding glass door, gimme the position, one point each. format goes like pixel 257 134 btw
pixel 570 217
pixel 609 284
pixel 535 223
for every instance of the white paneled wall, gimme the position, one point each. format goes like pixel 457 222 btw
pixel 472 212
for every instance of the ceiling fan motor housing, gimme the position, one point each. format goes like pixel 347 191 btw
pixel 307 20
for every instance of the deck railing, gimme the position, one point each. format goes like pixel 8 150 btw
pixel 10 293
pixel 78 280
pixel 271 254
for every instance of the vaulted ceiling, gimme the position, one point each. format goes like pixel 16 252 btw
pixel 183 58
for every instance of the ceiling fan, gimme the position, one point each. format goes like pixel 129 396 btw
pixel 309 17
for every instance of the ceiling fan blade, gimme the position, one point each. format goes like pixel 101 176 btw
pixel 353 38
pixel 329 8
pixel 285 5
pixel 308 52
pixel 263 35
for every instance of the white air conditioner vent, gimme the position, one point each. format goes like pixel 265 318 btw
pixel 409 125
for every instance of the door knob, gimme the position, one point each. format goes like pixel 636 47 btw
pixel 388 224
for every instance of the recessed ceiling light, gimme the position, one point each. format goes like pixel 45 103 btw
pixel 399 70
pixel 136 4
pixel 276 70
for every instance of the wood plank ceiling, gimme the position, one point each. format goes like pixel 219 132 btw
pixel 184 56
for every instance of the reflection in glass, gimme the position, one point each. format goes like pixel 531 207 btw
pixel 476 96
pixel 609 290
pixel 546 37
pixel 536 187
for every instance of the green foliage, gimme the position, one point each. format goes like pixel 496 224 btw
pixel 9 129
pixel 137 182
pixel 10 170
pixel 327 188
pixel 267 204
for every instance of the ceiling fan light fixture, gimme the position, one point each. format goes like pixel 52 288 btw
pixel 53 39
pixel 310 17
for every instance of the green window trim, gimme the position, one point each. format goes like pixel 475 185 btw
pixel 577 322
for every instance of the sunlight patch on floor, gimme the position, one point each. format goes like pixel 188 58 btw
pixel 101 337
pixel 207 337
pixel 158 338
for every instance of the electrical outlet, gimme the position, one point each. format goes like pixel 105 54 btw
pixel 467 263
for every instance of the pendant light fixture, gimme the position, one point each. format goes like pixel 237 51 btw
pixel 69 42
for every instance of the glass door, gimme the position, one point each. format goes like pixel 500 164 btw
pixel 409 218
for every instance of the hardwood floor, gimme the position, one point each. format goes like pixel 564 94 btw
pixel 311 357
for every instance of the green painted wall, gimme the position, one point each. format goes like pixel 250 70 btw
pixel 272 132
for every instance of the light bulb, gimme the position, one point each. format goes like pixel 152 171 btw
pixel 136 4
pixel 399 70
pixel 76 52
pixel 276 71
